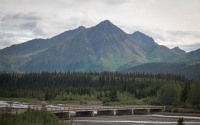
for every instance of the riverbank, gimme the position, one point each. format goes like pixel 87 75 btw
pixel 179 114
pixel 162 118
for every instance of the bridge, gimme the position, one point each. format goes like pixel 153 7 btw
pixel 65 112
pixel 91 111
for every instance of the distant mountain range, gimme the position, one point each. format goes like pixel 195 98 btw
pixel 103 47
pixel 190 70
pixel 187 65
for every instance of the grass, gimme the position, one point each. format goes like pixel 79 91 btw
pixel 38 101
pixel 75 102
pixel 29 100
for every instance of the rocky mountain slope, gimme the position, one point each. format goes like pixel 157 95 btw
pixel 103 47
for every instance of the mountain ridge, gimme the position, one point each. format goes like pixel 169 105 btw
pixel 190 70
pixel 178 50
pixel 103 47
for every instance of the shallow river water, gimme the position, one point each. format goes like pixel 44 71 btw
pixel 154 119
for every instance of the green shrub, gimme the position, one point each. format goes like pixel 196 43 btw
pixel 180 121
pixel 30 117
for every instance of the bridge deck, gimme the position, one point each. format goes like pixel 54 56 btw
pixel 63 108
pixel 91 108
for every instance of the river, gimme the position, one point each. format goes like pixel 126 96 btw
pixel 152 119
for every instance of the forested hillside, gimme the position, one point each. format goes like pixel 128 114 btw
pixel 189 69
pixel 106 87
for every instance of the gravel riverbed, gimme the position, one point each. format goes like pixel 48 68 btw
pixel 152 119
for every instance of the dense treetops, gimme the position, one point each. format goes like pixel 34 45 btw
pixel 107 87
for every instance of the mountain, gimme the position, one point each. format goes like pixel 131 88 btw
pixel 190 70
pixel 144 41
pixel 99 48
pixel 191 56
pixel 178 51
pixel 15 56
pixel 153 50
pixel 103 47
pixel 188 64
pixel 36 45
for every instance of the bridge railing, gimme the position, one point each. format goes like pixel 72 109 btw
pixel 85 108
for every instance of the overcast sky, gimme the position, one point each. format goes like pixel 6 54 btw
pixel 170 22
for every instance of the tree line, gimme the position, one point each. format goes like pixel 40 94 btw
pixel 107 87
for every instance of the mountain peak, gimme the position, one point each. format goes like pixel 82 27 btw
pixel 178 50
pixel 81 27
pixel 106 27
pixel 143 38
pixel 140 34
pixel 106 23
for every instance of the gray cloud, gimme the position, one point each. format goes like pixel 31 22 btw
pixel 21 21
pixel 38 31
pixel 30 23
pixel 171 23
pixel 24 16
pixel 6 39
pixel 191 47
pixel 4 35
pixel 181 34
pixel 116 2
pixel 188 40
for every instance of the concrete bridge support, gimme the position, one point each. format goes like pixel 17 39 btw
pixel 85 113
pixel 63 115
pixel 107 112
pixel 148 111
pixel 133 111
pixel 156 110
pixel 125 112
pixel 142 111
pixel 163 110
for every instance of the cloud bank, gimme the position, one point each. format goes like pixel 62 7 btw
pixel 169 22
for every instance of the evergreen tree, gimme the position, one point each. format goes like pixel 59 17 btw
pixel 194 95
pixel 169 94
pixel 180 121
